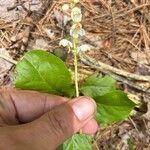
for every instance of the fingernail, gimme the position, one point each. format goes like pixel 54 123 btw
pixel 83 108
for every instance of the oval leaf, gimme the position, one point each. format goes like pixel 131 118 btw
pixel 112 107
pixel 42 71
pixel 77 142
pixel 96 85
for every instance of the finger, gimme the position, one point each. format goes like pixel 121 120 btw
pixel 90 127
pixel 57 125
pixel 27 105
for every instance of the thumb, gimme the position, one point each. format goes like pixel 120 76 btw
pixel 57 125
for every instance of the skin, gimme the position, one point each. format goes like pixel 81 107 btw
pixel 34 121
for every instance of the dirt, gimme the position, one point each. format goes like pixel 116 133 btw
pixel 118 32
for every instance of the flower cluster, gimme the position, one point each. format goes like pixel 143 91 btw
pixel 76 30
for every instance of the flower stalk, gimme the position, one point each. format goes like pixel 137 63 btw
pixel 75 31
pixel 75 41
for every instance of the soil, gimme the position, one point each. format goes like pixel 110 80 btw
pixel 118 34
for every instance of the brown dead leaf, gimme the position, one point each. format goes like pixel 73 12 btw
pixel 5 65
pixel 41 44
pixel 139 57
pixel 49 33
pixel 147 100
pixel 143 70
pixel 94 39
pixel 61 18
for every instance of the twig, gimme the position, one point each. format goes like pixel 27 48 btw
pixel 132 44
pixel 130 83
pixel 96 64
pixel 116 77
pixel 132 10
pixel 48 13
pixel 146 41
pixel 131 41
pixel 3 71
pixel 8 59
pixel 88 9
pixel 104 4
pixel 134 124
pixel 146 125
pixel 15 5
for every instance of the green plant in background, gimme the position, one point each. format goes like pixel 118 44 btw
pixel 42 71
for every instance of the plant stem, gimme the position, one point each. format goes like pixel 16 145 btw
pixel 75 41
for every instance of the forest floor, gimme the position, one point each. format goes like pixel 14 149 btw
pixel 118 39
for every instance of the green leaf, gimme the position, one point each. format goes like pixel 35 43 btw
pixel 96 85
pixel 42 71
pixel 77 142
pixel 112 107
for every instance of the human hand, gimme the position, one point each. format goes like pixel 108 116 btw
pixel 37 121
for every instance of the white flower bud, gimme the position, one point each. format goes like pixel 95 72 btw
pixel 65 43
pixel 65 7
pixel 84 48
pixel 76 30
pixel 76 15
pixel 76 1
pixel 82 32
